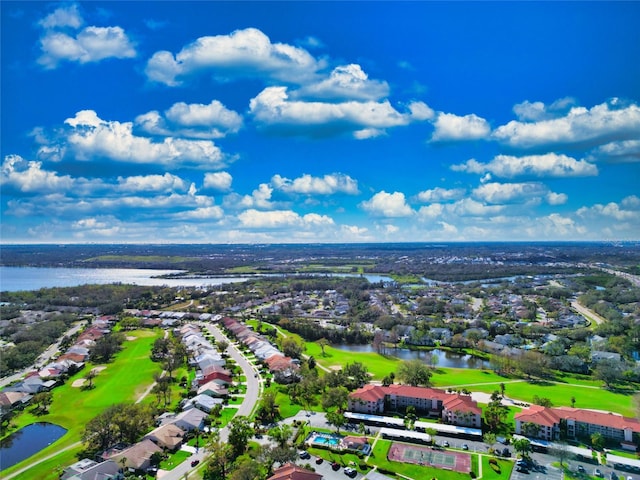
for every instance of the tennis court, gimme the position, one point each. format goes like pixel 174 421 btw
pixel 402 452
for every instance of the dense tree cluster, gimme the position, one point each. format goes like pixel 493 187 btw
pixel 118 423
pixel 30 340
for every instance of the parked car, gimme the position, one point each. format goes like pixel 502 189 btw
pixel 319 460
pixel 598 473
pixel 445 444
pixel 304 455
pixel 350 472
pixel 195 462
pixel 465 446
pixel 506 452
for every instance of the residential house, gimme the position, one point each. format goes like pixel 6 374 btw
pixel 213 389
pixel 87 469
pixel 290 471
pixel 597 356
pixel 219 376
pixel 136 457
pixel 169 436
pixel 192 419
pixel 10 400
pixel 202 402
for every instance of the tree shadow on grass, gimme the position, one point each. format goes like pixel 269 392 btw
pixel 622 389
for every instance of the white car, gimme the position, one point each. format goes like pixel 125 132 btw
pixel 350 472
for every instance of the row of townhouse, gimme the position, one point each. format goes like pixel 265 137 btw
pixel 212 378
pixel 45 378
pixel 284 369
pixel 452 408
pixel 575 423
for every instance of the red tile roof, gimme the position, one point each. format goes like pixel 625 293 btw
pixel 289 471
pixel 462 403
pixel 369 393
pixel 539 415
pixel 599 418
pixel 551 416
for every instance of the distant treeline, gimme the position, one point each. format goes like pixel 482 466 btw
pixel 445 262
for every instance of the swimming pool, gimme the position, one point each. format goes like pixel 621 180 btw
pixel 325 440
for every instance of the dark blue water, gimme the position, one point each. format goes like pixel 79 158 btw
pixel 445 358
pixel 28 441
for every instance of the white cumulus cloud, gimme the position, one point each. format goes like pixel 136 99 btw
pixel 450 127
pixel 63 40
pixel 611 121
pixel 281 218
pixel 212 212
pixel 345 82
pixel 535 111
pixel 218 180
pixel 68 16
pixel 611 210
pixel 440 194
pixel 29 177
pixel 193 120
pixel 310 185
pixel 248 53
pixel 500 193
pixel 390 205
pixel 548 165
pixel 89 137
pixel 622 151
pixel 274 110
pixel 153 183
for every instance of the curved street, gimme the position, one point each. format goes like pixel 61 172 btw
pixel 250 401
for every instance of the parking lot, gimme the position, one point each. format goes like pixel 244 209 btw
pixel 537 471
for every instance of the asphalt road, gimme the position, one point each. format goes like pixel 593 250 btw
pixel 247 406
pixel 44 357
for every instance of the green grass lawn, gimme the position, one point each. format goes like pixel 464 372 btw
pixel 174 460
pixel 124 380
pixel 505 468
pixel 226 415
pixel 378 365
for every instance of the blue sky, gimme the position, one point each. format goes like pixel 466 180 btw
pixel 280 122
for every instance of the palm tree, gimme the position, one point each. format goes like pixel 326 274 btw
pixel 91 374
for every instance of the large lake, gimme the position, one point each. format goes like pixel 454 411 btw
pixel 14 279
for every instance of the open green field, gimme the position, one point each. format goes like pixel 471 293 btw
pixel 123 380
pixel 378 365
pixel 587 392
pixel 137 259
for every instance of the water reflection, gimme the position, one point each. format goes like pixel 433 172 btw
pixel 28 441
pixel 445 358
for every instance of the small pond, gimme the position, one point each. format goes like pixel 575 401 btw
pixel 28 441
pixel 445 358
